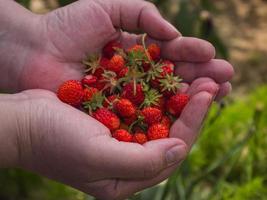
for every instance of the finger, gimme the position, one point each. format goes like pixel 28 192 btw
pixel 130 160
pixel 188 125
pixel 180 49
pixel 204 84
pixel 219 70
pixel 133 15
pixel 127 188
pixel 224 90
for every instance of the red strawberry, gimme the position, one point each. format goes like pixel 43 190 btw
pixel 129 120
pixel 89 93
pixel 146 66
pixel 177 103
pixel 108 118
pixel 140 137
pixel 124 108
pixel 161 104
pixel 104 62
pixel 168 68
pixel 136 95
pixel 116 64
pixel 136 48
pixel 99 72
pixel 122 135
pixel 154 52
pixel 123 72
pixel 110 49
pixel 151 115
pixel 109 101
pixel 157 131
pixel 71 92
pixel 89 80
pixel 166 121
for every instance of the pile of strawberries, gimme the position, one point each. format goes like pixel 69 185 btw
pixel 133 92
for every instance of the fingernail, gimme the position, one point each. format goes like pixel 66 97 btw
pixel 173 28
pixel 175 154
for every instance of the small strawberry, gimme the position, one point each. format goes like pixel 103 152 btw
pixel 154 52
pixel 116 64
pixel 157 131
pixel 122 135
pixel 124 107
pixel 108 118
pixel 110 49
pixel 104 62
pixel 71 92
pixel 151 115
pixel 134 94
pixel 99 72
pixel 89 93
pixel 123 72
pixel 129 120
pixel 110 100
pixel 136 48
pixel 140 137
pixel 89 80
pixel 176 104
pixel 167 68
pixel 166 121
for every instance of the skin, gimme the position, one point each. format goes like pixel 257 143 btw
pixel 41 134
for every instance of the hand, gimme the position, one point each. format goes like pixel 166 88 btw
pixel 55 44
pixel 64 144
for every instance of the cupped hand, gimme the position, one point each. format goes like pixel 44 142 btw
pixel 67 145
pixel 61 39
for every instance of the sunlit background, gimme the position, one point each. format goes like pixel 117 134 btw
pixel 229 160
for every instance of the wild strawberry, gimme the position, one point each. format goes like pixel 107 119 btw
pixel 161 104
pixel 176 104
pixel 124 107
pixel 154 52
pixel 116 64
pixel 167 68
pixel 100 84
pixel 89 80
pixel 108 118
pixel 122 135
pixel 71 92
pixel 104 62
pixel 157 131
pixel 123 72
pixel 146 66
pixel 140 137
pixel 151 115
pixel 136 48
pixel 110 100
pixel 129 120
pixel 89 93
pixel 110 49
pixel 166 121
pixel 99 72
pixel 169 85
pixel 134 94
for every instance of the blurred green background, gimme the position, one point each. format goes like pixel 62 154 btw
pixel 229 160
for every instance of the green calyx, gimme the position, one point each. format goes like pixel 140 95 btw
pixel 152 98
pixel 95 103
pixel 92 63
pixel 170 83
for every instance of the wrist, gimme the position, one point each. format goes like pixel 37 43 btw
pixel 17 38
pixel 13 123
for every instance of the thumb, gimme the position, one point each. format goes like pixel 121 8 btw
pixel 131 160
